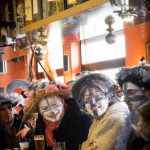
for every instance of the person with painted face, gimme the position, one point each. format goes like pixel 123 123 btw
pixel 135 83
pixel 101 97
pixel 9 123
pixel 60 118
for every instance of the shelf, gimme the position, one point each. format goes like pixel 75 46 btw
pixel 64 14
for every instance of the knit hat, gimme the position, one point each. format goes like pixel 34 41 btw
pixel 139 75
pixel 100 81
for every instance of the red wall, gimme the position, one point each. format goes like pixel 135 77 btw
pixel 15 70
pixel 136 37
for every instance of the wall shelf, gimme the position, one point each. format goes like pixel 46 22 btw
pixel 64 14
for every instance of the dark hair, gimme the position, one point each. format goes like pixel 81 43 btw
pixel 4 100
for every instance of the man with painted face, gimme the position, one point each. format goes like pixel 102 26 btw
pixel 60 118
pixel 135 83
pixel 100 97
pixel 9 123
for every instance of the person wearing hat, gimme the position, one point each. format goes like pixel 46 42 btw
pixel 9 123
pixel 60 118
pixel 101 97
pixel 135 83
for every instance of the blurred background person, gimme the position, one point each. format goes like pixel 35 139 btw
pixel 9 123
pixel 101 97
pixel 27 128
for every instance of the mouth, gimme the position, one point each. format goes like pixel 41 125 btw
pixel 53 116
pixel 95 108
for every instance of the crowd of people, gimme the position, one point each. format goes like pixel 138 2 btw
pixel 94 112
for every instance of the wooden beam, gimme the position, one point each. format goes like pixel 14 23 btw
pixel 116 63
pixel 64 14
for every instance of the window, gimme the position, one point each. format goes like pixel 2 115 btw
pixel 96 49
pixel 1 90
pixel 3 66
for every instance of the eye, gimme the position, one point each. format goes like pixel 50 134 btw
pixel 54 105
pixel 87 98
pixel 97 95
pixel 130 92
pixel 9 107
pixel 44 108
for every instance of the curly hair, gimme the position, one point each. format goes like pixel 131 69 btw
pixel 139 75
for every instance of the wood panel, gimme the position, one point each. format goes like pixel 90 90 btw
pixel 104 65
pixel 64 14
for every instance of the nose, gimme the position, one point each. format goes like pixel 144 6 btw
pixel 93 101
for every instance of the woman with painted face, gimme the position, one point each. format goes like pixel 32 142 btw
pixel 60 119
pixel 100 97
pixel 135 83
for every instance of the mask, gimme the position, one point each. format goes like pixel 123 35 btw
pixel 96 103
pixel 51 108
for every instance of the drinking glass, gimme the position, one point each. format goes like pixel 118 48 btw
pixel 24 145
pixel 39 142
pixel 59 146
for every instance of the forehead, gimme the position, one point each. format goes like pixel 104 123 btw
pixel 6 106
pixel 50 100
pixel 130 85
pixel 91 90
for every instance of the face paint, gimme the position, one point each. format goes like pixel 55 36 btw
pixel 134 95
pixel 96 103
pixel 6 114
pixel 51 108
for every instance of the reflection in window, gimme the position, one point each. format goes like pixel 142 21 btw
pixel 96 49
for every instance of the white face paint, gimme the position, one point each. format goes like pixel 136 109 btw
pixel 51 108
pixel 133 95
pixel 96 103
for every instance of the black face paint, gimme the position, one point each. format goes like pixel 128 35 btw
pixel 93 98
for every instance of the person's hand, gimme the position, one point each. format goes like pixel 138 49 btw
pixel 23 132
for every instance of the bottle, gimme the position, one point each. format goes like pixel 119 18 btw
pixel 37 10
pixel 55 6
pixel 28 12
pixel 45 8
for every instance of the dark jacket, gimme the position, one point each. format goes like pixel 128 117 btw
pixel 30 135
pixel 73 129
pixel 137 143
pixel 8 139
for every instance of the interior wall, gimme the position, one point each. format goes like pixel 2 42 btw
pixel 15 70
pixel 136 37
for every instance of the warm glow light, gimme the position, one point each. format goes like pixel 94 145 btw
pixel 128 18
